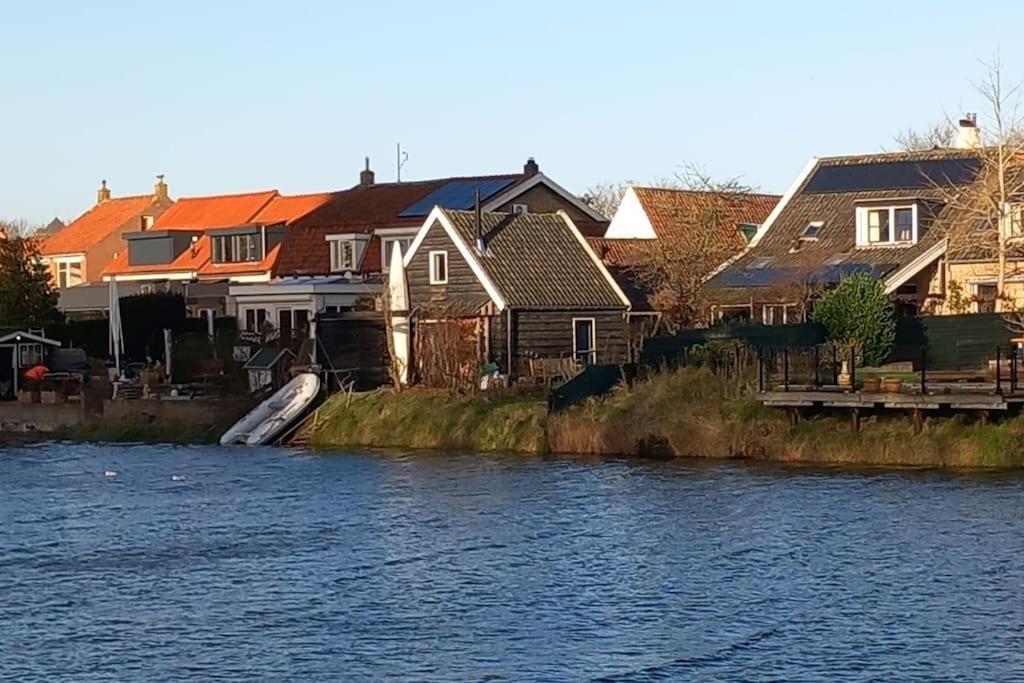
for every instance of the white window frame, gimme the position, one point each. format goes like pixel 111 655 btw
pixel 37 358
pixel 520 208
pixel 338 263
pixel 65 264
pixel 385 257
pixel 434 279
pixel 768 314
pixel 593 339
pixel 147 222
pixel 863 231
pixel 1015 221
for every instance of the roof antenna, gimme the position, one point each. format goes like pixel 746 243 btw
pixel 479 226
pixel 400 158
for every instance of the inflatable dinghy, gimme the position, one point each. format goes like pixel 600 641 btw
pixel 272 418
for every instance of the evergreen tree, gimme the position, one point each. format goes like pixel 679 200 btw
pixel 27 296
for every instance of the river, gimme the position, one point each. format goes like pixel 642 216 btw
pixel 205 563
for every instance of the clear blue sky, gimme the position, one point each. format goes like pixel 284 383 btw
pixel 227 97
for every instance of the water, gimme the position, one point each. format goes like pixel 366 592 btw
pixel 264 564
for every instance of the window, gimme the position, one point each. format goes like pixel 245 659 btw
pixel 438 267
pixel 254 319
pixel 343 255
pixel 985 298
pixel 759 263
pixel 147 223
pixel 31 355
pixel 1015 224
pixel 886 225
pixel 520 208
pixel 69 274
pixel 237 248
pixel 878 226
pixel 774 314
pixel 812 230
pixel 583 347
pixel 388 244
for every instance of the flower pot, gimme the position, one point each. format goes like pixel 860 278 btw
pixel 873 384
pixel 892 386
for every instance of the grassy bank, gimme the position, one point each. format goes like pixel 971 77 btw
pixel 423 419
pixel 685 413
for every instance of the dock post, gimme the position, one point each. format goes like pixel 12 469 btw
pixel 794 416
pixel 855 420
pixel 918 421
pixel 853 369
pixel 999 374
pixel 924 370
pixel 785 368
pixel 760 369
pixel 1013 369
pixel 817 362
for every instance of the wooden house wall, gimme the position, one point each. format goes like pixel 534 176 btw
pixel 462 284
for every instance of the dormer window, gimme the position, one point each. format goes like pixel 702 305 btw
pixel 343 255
pixel 887 226
pixel 244 248
pixel 147 223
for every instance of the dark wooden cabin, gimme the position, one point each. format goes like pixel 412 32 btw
pixel 524 289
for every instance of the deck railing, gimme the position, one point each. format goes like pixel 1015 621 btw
pixel 814 366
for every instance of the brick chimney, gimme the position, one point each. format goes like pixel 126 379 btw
pixel 102 194
pixel 366 175
pixel 160 189
pixel 530 168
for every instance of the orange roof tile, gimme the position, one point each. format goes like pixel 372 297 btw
pixel 672 211
pixel 94 225
pixel 190 260
pixel 215 211
pixel 210 268
pixel 288 209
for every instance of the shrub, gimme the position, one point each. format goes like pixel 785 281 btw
pixel 859 312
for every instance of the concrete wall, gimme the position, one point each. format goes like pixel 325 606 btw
pixel 39 417
pixel 200 412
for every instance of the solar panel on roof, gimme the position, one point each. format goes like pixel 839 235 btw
pixel 890 175
pixel 458 194
pixel 766 277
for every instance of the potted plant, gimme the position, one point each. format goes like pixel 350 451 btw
pixel 872 385
pixel 892 385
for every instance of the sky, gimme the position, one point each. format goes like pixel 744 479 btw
pixel 226 97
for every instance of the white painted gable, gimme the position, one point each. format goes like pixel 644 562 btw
pixel 630 221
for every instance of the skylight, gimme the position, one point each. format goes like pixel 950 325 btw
pixel 812 230
pixel 759 263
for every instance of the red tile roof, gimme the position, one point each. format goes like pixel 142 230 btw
pixel 673 214
pixel 288 209
pixel 95 225
pixel 671 211
pixel 215 211
pixel 189 261
pixel 210 269
pixel 361 209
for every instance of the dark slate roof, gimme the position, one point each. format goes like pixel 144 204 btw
pixel 862 178
pixel 536 260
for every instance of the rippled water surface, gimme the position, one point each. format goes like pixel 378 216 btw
pixel 204 563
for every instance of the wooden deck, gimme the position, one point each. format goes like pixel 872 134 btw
pixel 977 398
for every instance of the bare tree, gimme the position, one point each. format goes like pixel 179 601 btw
pixel 706 235
pixel 17 227
pixel 985 217
pixel 939 135
pixel 606 197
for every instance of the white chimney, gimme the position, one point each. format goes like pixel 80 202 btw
pixel 967 134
